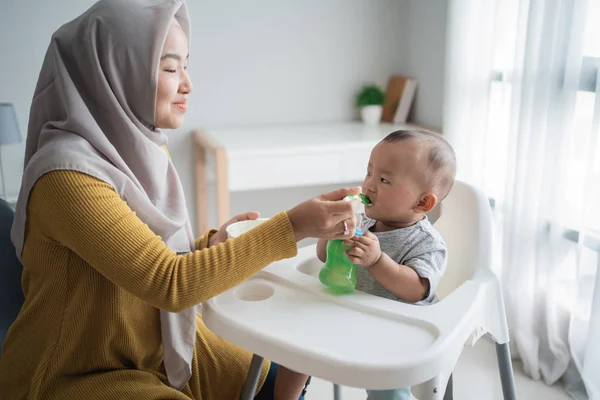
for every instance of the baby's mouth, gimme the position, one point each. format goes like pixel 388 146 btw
pixel 366 200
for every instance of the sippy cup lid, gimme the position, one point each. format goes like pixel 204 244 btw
pixel 359 212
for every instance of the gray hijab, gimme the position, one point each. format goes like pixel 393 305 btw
pixel 93 112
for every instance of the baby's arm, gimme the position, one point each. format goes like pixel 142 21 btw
pixel 402 281
pixel 322 249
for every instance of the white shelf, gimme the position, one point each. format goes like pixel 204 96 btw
pixel 283 156
pixel 291 138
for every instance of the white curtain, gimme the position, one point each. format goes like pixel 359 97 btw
pixel 523 113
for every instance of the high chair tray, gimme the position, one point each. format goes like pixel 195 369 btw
pixel 286 315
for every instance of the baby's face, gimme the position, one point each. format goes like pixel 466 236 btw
pixel 395 181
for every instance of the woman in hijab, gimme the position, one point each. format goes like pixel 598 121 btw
pixel 112 274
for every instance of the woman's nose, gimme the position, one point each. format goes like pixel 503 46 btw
pixel 186 85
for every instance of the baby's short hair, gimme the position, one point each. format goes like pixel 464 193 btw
pixel 441 158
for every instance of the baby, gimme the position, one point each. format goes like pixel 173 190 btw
pixel 402 255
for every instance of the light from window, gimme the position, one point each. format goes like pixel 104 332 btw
pixel 582 148
pixel 591 41
pixel 581 175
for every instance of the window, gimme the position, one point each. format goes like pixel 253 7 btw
pixel 584 129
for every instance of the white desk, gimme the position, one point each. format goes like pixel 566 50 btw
pixel 281 156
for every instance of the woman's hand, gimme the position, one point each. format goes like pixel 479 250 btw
pixel 325 217
pixel 221 235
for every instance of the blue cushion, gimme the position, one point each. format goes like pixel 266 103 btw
pixel 11 293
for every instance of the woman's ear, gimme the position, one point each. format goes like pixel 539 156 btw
pixel 426 203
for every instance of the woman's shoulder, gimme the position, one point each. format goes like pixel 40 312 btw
pixel 62 203
pixel 68 180
pixel 65 189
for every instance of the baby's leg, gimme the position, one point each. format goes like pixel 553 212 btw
pixel 394 394
pixel 289 384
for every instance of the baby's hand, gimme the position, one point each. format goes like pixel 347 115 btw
pixel 364 250
pixel 221 235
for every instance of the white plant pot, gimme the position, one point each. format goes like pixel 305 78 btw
pixel 371 115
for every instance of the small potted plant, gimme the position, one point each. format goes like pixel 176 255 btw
pixel 370 100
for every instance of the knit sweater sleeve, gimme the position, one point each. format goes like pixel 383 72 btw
pixel 87 216
pixel 202 242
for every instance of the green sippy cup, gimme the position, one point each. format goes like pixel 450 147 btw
pixel 339 273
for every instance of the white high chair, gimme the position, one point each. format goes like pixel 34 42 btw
pixel 465 224
pixel 284 314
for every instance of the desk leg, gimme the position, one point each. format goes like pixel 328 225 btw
pixel 222 187
pixel 222 177
pixel 449 395
pixel 201 191
pixel 337 392
pixel 251 384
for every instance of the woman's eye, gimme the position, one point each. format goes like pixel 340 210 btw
pixel 383 180
pixel 368 174
pixel 171 71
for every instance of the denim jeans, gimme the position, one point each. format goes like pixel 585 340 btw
pixel 267 392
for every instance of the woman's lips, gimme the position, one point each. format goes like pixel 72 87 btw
pixel 182 106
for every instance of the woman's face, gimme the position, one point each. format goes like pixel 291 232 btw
pixel 174 84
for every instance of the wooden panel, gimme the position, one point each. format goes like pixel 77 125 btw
pixel 201 190
pixel 222 177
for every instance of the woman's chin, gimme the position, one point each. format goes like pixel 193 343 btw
pixel 171 123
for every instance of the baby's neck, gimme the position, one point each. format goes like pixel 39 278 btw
pixel 385 226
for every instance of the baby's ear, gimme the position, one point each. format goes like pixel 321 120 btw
pixel 426 203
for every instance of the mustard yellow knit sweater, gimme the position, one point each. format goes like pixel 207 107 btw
pixel 95 277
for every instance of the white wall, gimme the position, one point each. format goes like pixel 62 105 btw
pixel 274 61
pixel 25 31
pixel 425 57
pixel 267 61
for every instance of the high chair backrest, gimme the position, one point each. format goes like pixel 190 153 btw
pixel 465 224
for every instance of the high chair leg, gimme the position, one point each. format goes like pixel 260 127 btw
pixel 337 392
pixel 449 395
pixel 507 377
pixel 252 378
